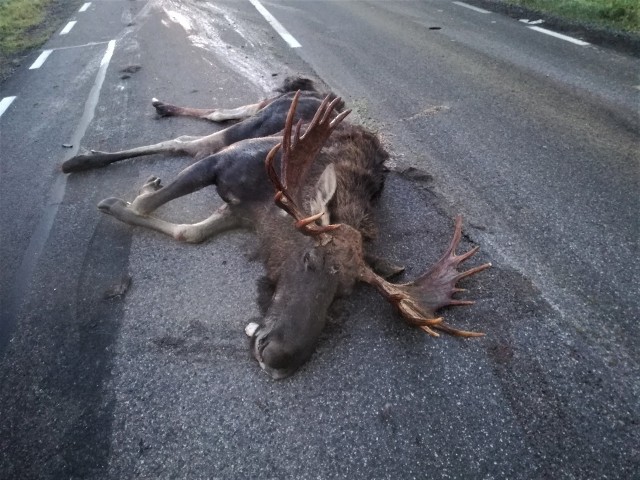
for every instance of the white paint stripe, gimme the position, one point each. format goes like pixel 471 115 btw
pixel 109 53
pixel 4 104
pixel 84 7
pixel 471 7
pixel 559 35
pixel 68 27
pixel 40 60
pixel 40 235
pixel 277 26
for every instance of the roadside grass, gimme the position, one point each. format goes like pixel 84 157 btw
pixel 19 22
pixel 27 24
pixel 621 15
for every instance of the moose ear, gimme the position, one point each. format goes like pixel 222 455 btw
pixel 325 189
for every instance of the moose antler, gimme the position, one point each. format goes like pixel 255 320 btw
pixel 419 300
pixel 298 154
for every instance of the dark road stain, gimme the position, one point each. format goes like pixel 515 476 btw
pixel 87 369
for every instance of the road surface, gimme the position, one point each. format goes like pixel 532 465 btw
pixel 531 137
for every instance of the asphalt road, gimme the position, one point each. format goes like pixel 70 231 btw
pixel 533 139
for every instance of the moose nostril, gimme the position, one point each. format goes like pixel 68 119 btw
pixel 251 329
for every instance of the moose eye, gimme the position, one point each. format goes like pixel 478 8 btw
pixel 310 260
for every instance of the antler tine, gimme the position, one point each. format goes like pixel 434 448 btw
pixel 300 151
pixel 298 154
pixel 419 300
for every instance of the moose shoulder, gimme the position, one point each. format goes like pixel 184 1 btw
pixel 311 207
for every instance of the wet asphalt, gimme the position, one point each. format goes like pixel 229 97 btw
pixel 532 139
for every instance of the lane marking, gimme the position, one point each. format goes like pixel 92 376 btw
pixel 471 7
pixel 68 27
pixel 40 60
pixel 84 7
pixel 107 56
pixel 560 36
pixel 4 104
pixel 277 26
pixel 40 235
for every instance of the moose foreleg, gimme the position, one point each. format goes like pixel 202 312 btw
pixel 96 159
pixel 418 301
pixel 197 147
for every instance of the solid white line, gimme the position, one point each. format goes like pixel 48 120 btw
pixel 40 60
pixel 559 35
pixel 84 7
pixel 471 7
pixel 277 26
pixel 42 230
pixel 68 27
pixel 4 104
pixel 108 54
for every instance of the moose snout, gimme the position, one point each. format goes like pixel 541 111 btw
pixel 277 358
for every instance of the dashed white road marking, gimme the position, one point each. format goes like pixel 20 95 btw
pixel 67 28
pixel 40 60
pixel 42 230
pixel 4 104
pixel 84 7
pixel 471 7
pixel 277 26
pixel 560 36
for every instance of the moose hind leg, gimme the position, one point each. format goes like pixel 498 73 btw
pixel 193 178
pixel 213 114
pixel 222 220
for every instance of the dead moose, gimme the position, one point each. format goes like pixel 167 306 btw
pixel 327 174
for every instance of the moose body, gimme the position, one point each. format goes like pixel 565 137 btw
pixel 327 175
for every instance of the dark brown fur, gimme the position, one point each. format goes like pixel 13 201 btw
pixel 307 265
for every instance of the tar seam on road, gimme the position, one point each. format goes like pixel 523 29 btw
pixel 84 7
pixel 41 232
pixel 45 53
pixel 67 28
pixel 471 7
pixel 277 26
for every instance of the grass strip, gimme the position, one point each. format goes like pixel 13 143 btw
pixel 19 22
pixel 621 15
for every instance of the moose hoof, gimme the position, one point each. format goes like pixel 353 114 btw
pixel 163 109
pixel 112 206
pixel 251 329
pixel 151 185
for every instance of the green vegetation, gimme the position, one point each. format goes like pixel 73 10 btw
pixel 19 22
pixel 619 14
